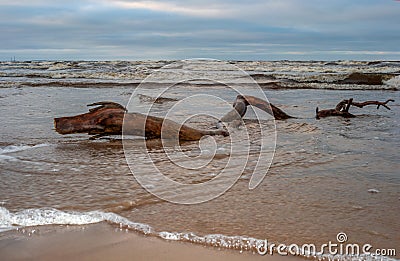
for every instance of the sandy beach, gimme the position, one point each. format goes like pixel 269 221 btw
pixel 328 176
pixel 200 130
pixel 103 242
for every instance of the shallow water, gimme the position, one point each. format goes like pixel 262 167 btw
pixel 319 183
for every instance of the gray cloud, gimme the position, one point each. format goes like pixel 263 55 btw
pixel 224 29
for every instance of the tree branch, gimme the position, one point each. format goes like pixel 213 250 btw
pixel 342 108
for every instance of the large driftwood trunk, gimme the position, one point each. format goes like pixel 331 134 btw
pixel 109 118
pixel 342 108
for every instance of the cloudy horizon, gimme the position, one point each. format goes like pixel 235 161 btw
pixel 226 30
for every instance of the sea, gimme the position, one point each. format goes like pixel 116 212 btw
pixel 323 177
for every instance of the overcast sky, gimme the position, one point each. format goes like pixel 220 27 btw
pixel 220 29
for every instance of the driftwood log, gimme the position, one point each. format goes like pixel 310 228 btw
pixel 342 108
pixel 108 119
pixel 240 108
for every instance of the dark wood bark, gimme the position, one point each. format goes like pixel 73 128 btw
pixel 108 119
pixel 342 108
pixel 332 112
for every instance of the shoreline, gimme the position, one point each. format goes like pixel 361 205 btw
pixel 102 241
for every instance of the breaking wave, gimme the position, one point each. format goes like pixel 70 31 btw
pixel 349 75
pixel 17 148
pixel 51 216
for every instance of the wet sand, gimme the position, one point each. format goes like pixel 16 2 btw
pixel 104 242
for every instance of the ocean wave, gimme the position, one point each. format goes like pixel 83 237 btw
pixel 349 75
pixel 334 86
pixel 17 148
pixel 52 216
pixel 8 158
pixel 393 82
pixel 79 84
pixel 364 78
pixel 160 99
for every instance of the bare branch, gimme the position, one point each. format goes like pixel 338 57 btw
pixel 342 108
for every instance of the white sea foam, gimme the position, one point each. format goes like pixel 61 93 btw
pixel 393 82
pixel 16 148
pixel 59 66
pixel 6 157
pixel 373 190
pixel 51 216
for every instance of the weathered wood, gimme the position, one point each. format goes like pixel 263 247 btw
pixel 346 109
pixel 106 104
pixel 109 119
pixel 240 108
pixel 277 113
pixel 332 112
pixel 378 103
pixel 238 111
pixel 156 127
pixel 342 108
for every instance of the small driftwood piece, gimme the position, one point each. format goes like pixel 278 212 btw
pixel 342 108
pixel 108 119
